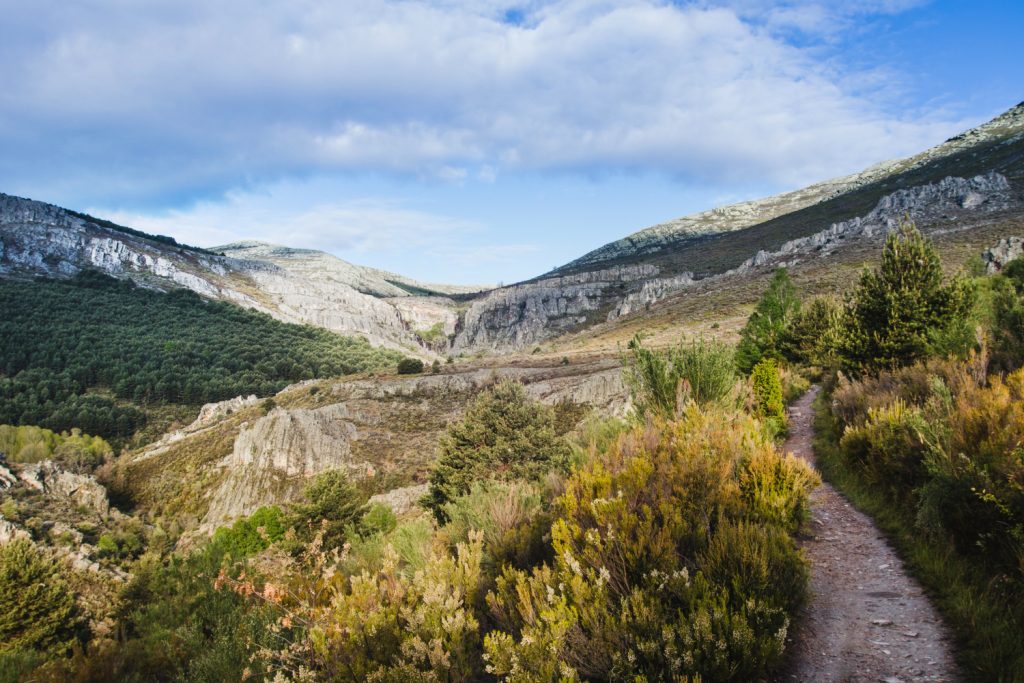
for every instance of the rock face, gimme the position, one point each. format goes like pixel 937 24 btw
pixel 10 532
pixel 1006 250
pixel 79 488
pixel 524 314
pixel 7 478
pixel 369 426
pixel 948 199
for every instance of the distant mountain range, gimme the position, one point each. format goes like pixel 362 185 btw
pixel 974 177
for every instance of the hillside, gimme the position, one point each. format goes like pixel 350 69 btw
pixel 383 429
pixel 105 356
pixel 295 286
pixel 975 180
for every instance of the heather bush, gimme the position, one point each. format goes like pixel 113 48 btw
pixel 509 515
pixel 943 441
pixel 794 384
pixel 662 570
pixel 391 624
pixel 889 448
pixel 775 489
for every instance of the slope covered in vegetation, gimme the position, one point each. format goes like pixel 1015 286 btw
pixel 97 353
pixel 922 425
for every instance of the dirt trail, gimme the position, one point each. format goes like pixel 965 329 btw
pixel 866 620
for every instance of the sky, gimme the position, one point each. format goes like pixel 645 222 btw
pixel 474 142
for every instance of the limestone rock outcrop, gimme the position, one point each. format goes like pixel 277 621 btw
pixel 81 489
pixel 1008 249
pixel 948 200
pixel 527 313
pixel 11 532
pixel 368 425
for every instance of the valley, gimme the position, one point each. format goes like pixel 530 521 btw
pixel 239 382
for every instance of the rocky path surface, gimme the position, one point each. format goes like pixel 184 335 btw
pixel 867 619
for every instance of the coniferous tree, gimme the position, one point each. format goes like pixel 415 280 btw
pixel 897 311
pixel 764 335
pixel 37 610
pixel 810 337
pixel 503 435
pixel 333 505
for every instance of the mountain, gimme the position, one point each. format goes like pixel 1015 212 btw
pixel 971 181
pixel 297 286
pixel 995 145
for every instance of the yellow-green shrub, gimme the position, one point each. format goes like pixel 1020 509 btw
pixel 889 448
pixel 775 489
pixel 662 569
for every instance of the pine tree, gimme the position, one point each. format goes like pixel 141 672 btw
pixel 333 505
pixel 897 311
pixel 503 435
pixel 37 610
pixel 810 336
pixel 764 334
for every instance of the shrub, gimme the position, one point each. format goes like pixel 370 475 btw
pixel 888 449
pixel 509 515
pixel 765 334
pixel 662 381
pixel 777 489
pixel 1008 314
pixel 503 435
pixel 897 311
pixel 388 625
pixel 251 534
pixel 333 507
pixel 768 392
pixel 794 384
pixel 379 519
pixel 37 609
pixel 410 366
pixel 661 571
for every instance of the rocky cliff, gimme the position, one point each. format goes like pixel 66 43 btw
pixel 299 286
pixel 242 455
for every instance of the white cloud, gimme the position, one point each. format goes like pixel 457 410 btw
pixel 282 213
pixel 178 96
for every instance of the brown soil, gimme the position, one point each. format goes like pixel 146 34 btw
pixel 867 619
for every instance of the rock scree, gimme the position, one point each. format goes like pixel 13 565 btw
pixel 866 619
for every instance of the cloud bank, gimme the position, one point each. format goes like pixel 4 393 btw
pixel 168 100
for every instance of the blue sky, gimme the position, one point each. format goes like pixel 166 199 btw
pixel 474 142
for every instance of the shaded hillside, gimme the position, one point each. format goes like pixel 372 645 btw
pixel 99 354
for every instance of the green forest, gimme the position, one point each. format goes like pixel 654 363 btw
pixel 96 353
